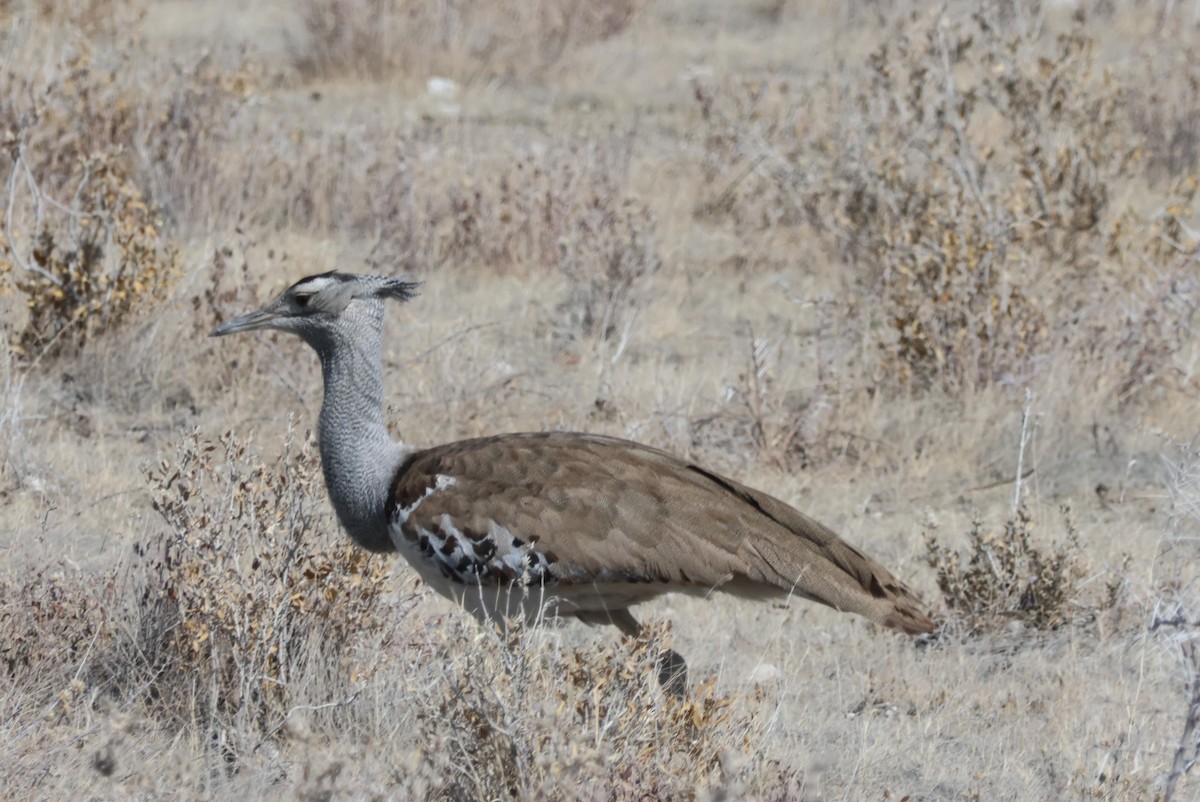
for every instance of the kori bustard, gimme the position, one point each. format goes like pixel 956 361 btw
pixel 580 524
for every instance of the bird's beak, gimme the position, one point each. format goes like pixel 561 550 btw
pixel 258 319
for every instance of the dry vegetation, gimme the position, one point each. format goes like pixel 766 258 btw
pixel 930 274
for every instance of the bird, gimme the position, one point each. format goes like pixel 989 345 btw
pixel 524 526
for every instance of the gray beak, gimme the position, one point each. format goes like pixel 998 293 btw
pixel 258 319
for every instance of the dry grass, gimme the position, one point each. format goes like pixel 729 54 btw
pixel 938 251
pixel 464 42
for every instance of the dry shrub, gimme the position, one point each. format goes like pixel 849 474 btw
pixel 218 628
pixel 363 184
pixel 95 155
pixel 460 40
pixel 422 206
pixel 605 256
pixel 54 619
pixel 519 716
pixel 91 18
pixel 80 245
pixel 87 269
pixel 237 624
pixel 247 610
pixel 167 121
pixel 762 418
pixel 1140 350
pixel 1010 576
pixel 191 122
pixel 567 209
pixel 966 171
pixel 553 207
pixel 59 627
pixel 1165 104
pixel 236 280
pixel 1175 621
pixel 544 209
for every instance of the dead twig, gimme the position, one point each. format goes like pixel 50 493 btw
pixel 1188 751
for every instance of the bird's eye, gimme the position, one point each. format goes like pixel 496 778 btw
pixel 302 301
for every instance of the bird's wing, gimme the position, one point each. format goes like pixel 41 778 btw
pixel 578 508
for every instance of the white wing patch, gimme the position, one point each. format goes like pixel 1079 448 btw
pixel 440 482
pixel 494 557
pixel 463 556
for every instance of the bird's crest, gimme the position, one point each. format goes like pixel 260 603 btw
pixel 397 288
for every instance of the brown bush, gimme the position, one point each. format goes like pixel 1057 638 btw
pixel 97 160
pixel 54 620
pixel 244 604
pixel 87 270
pixel 1010 576
pixel 516 716
pixel 965 172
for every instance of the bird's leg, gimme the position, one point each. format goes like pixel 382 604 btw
pixel 673 673
pixel 672 668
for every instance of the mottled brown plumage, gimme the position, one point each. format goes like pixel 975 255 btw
pixel 604 512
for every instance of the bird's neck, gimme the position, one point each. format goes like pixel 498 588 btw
pixel 358 456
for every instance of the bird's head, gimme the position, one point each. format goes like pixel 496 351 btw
pixel 316 306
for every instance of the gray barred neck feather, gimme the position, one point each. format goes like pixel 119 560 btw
pixel 358 457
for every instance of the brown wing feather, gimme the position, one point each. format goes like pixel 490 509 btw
pixel 599 509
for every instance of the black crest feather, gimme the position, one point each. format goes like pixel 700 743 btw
pixel 398 288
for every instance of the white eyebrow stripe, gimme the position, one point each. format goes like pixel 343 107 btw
pixel 314 284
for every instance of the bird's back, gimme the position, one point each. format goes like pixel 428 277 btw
pixel 600 523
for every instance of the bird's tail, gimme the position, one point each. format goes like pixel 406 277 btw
pixel 805 558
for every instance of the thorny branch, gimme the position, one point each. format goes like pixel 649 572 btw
pixel 1188 751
